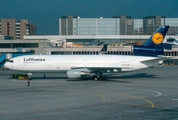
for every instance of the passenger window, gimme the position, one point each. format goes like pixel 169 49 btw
pixel 11 61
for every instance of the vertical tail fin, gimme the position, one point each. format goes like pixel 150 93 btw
pixel 104 49
pixel 153 46
pixel 157 37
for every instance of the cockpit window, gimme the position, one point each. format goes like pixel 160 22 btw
pixel 11 61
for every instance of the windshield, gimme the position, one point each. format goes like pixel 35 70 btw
pixel 11 61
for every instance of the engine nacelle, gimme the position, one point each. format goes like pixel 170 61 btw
pixel 147 50
pixel 76 73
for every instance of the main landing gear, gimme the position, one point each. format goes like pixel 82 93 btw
pixel 98 76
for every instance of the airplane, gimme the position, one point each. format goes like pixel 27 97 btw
pixel 173 42
pixel 95 42
pixel 103 51
pixel 77 66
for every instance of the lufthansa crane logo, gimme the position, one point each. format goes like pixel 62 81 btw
pixel 157 38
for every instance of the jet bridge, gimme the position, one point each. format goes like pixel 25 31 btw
pixel 2 60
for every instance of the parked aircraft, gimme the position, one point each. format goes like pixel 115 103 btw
pixel 173 42
pixel 77 66
pixel 104 49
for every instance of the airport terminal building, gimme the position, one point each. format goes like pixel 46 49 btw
pixel 86 36
pixel 117 25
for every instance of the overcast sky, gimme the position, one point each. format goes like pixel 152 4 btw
pixel 45 14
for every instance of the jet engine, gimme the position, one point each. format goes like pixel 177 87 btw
pixel 76 73
pixel 147 50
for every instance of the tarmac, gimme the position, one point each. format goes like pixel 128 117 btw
pixel 145 94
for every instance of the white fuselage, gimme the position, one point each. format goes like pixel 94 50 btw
pixel 63 63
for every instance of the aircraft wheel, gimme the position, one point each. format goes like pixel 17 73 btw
pixel 95 78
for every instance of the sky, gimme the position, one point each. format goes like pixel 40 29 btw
pixel 45 14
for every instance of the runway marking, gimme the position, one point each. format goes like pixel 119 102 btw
pixel 104 99
pixel 148 101
pixel 174 99
pixel 152 105
pixel 159 93
pixel 171 94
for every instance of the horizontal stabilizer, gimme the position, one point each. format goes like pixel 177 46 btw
pixel 156 60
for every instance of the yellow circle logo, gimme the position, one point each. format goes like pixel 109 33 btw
pixel 157 38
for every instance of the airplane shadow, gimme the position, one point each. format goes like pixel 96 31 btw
pixel 129 77
pixel 107 77
pixel 115 78
pixel 48 78
pixel 138 75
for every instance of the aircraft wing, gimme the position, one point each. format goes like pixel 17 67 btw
pixel 156 60
pixel 102 69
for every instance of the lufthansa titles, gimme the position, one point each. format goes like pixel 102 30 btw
pixel 34 59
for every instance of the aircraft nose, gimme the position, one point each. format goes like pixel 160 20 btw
pixel 6 65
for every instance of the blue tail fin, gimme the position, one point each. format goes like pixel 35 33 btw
pixel 157 37
pixel 153 46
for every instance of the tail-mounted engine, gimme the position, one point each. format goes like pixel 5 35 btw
pixel 147 50
pixel 76 73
